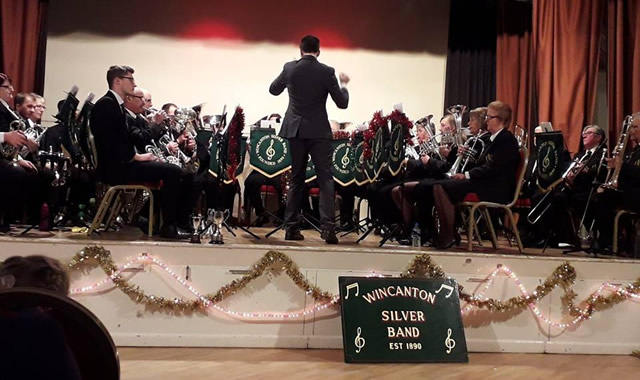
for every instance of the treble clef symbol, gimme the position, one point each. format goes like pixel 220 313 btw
pixel 359 341
pixel 546 161
pixel 270 151
pixel 450 343
pixel 345 159
pixel 396 144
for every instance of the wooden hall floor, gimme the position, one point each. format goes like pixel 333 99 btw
pixel 266 363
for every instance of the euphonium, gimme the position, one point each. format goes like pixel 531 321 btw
pixel 430 145
pixel 9 151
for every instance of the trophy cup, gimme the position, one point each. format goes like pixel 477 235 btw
pixel 195 221
pixel 208 224
pixel 218 218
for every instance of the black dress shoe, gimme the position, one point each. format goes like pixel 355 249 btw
pixel 293 235
pixel 329 236
pixel 446 245
pixel 173 232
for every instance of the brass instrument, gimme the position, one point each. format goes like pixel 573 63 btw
pixel 457 139
pixel 577 165
pixel 470 153
pixel 611 183
pixel 430 146
pixel 521 136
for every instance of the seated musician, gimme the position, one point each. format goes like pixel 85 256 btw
pixel 431 169
pixel 610 201
pixel 140 128
pixel 493 179
pixel 118 163
pixel 252 184
pixel 18 176
pixel 574 191
pixel 39 108
pixel 25 107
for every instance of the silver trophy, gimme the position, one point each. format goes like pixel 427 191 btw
pixel 218 219
pixel 195 221
pixel 208 225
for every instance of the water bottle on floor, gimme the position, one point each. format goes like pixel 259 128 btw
pixel 415 236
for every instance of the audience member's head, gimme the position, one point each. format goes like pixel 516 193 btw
pixel 35 272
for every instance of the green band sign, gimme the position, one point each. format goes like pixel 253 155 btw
pixel 269 152
pixel 342 162
pixel 401 320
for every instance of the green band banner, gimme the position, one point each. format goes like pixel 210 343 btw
pixel 395 160
pixel 550 147
pixel 269 153
pixel 342 162
pixel 214 163
pixel 379 154
pixel 359 168
pixel 310 173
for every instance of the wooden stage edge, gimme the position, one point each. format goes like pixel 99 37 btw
pixel 612 330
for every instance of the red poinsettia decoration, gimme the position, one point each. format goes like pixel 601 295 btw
pixel 378 121
pixel 337 135
pixel 398 117
pixel 233 140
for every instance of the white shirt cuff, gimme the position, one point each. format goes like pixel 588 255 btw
pixel 1 137
pixel 466 175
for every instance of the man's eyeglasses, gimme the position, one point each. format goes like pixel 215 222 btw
pixel 489 117
pixel 130 78
pixel 589 133
pixel 9 87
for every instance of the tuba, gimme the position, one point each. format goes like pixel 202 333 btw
pixel 457 111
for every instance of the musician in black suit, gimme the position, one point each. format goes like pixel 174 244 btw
pixel 492 180
pixel 20 176
pixel 608 202
pixel 118 162
pixel 306 125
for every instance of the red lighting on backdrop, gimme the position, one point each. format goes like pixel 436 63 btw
pixel 212 29
pixel 331 38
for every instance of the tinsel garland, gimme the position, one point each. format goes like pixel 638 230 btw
pixel 636 353
pixel 233 139
pixel 422 266
pixel 93 254
pixel 378 121
pixel 398 117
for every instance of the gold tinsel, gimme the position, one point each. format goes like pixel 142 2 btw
pixel 636 353
pixel 421 267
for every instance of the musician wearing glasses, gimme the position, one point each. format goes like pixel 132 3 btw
pixel 573 193
pixel 608 199
pixel 493 179
pixel 118 162
pixel 39 107
pixel 18 175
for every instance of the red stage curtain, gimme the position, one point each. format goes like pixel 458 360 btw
pixel 623 71
pixel 23 25
pixel 566 38
pixel 514 65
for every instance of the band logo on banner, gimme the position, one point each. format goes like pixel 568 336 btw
pixel 359 173
pixel 550 148
pixel 378 154
pixel 269 154
pixel 386 319
pixel 396 153
pixel 342 162
pixel 310 172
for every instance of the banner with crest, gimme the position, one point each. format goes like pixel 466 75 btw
pixel 269 154
pixel 342 162
pixel 359 174
pixel 400 137
pixel 549 164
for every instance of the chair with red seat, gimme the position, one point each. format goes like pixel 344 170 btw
pixel 472 203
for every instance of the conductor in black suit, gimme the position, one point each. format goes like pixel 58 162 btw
pixel 306 126
pixel 118 162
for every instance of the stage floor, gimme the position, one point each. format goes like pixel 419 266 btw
pixel 312 240
pixel 201 363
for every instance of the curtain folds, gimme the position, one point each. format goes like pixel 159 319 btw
pixel 23 36
pixel 566 42
pixel 623 70
pixel 514 62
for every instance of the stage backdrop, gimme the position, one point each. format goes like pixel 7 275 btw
pixel 229 51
